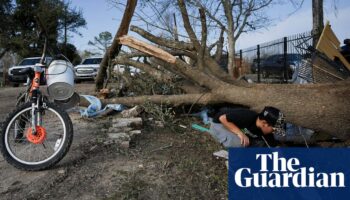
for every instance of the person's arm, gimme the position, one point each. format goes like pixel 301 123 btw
pixel 234 129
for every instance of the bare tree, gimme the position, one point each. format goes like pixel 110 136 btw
pixel 102 42
pixel 227 18
pixel 115 47
pixel 322 107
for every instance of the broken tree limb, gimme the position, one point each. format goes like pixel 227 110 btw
pixel 147 48
pixel 210 64
pixel 115 47
pixel 172 52
pixel 192 73
pixel 162 41
pixel 155 73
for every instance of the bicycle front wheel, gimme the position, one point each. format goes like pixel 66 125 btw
pixel 28 151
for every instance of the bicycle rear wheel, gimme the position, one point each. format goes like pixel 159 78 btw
pixel 31 152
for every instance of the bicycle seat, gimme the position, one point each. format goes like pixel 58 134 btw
pixel 24 71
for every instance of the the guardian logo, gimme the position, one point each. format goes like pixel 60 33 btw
pixel 289 173
pixel 286 173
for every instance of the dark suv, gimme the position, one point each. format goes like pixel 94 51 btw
pixel 25 63
pixel 274 65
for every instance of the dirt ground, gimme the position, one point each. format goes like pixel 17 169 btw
pixel 162 163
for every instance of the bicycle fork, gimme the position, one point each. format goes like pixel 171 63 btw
pixel 37 102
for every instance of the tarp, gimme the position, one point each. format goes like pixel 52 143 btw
pixel 95 107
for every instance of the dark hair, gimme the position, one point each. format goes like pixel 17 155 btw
pixel 270 114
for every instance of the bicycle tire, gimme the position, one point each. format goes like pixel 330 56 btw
pixel 64 144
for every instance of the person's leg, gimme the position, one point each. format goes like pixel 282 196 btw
pixel 232 141
pixel 224 136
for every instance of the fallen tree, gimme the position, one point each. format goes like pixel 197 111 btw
pixel 322 107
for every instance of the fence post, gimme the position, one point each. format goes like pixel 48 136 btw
pixel 258 61
pixel 240 60
pixel 285 60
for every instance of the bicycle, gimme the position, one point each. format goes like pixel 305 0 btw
pixel 38 133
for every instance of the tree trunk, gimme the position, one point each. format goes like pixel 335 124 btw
pixel 115 47
pixel 4 67
pixel 323 107
pixel 230 37
pixel 317 20
pixel 65 31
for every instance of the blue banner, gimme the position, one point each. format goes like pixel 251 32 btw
pixel 289 173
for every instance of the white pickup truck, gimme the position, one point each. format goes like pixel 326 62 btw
pixel 87 69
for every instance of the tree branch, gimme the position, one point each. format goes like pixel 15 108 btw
pixel 187 24
pixel 158 75
pixel 203 39
pixel 115 47
pixel 194 74
pixel 220 46
pixel 162 41
pixel 147 48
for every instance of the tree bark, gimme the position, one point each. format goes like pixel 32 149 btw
pixel 220 46
pixel 230 36
pixel 175 100
pixel 317 20
pixel 115 47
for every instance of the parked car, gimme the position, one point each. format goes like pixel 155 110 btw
pixel 274 65
pixel 88 69
pixel 254 66
pixel 25 63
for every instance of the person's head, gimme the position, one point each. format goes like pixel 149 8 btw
pixel 271 120
pixel 347 41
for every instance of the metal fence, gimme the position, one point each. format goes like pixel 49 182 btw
pixel 274 61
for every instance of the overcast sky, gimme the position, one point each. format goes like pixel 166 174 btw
pixel 101 16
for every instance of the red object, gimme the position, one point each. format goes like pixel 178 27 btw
pixel 39 137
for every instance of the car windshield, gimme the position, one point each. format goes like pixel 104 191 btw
pixel 92 61
pixel 31 61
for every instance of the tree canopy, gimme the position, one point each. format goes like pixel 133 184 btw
pixel 102 42
pixel 19 28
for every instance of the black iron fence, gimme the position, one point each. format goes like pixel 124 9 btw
pixel 276 61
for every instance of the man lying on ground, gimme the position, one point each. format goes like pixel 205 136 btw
pixel 242 127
